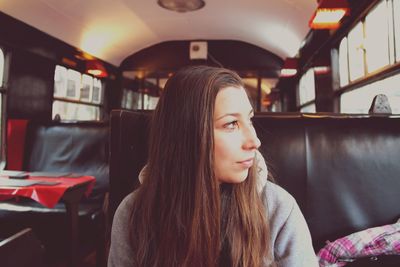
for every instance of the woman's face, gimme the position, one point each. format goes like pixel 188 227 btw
pixel 235 140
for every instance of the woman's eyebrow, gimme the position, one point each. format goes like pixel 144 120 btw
pixel 228 114
pixel 235 114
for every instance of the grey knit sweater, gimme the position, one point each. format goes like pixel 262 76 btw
pixel 290 237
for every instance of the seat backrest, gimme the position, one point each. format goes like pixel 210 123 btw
pixel 342 170
pixel 22 249
pixel 69 147
pixel 128 153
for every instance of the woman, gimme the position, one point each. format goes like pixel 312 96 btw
pixel 203 201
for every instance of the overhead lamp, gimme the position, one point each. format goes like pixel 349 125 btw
pixel 289 68
pixel 329 14
pixel 96 68
pixel 320 70
pixel 181 6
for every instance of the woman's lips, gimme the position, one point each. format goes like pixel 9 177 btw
pixel 246 163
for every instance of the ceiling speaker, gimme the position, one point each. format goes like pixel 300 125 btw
pixel 198 50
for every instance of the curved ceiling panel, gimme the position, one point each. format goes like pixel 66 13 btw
pixel 112 30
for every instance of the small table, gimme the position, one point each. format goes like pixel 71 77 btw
pixel 70 190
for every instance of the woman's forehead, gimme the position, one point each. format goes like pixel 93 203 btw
pixel 232 100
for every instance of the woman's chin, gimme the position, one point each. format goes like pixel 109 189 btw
pixel 235 179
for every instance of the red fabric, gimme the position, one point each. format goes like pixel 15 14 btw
pixel 44 194
pixel 16 131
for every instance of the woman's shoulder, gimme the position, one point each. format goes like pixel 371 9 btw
pixel 124 209
pixel 290 236
pixel 279 202
pixel 120 243
pixel 128 200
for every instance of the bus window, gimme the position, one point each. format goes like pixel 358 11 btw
pixel 270 100
pixel 360 99
pixel 97 92
pixel 76 96
pixel 356 52
pixel 151 94
pixel 75 111
pixel 364 53
pixel 376 28
pixel 251 85
pixel 311 108
pixel 368 57
pixel 306 91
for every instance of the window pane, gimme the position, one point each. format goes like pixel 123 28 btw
pixel 343 63
pixel 396 8
pixel 357 101
pixel 151 93
pixel 73 84
pixel 131 99
pixel 150 102
pixel 1 67
pixel 307 87
pixel 356 52
pixel 60 81
pixel 360 100
pixel 73 111
pixel 87 85
pixel 136 100
pixel 97 94
pixel 308 109
pixel 377 37
pixel 270 101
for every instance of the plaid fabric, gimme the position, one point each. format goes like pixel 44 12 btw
pixel 382 240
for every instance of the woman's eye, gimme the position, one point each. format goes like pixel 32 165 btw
pixel 231 125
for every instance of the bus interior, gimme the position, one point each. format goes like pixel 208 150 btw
pixel 79 81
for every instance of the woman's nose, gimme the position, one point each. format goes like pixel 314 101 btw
pixel 251 140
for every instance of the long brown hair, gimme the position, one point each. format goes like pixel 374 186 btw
pixel 182 216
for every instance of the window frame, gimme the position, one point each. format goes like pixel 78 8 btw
pixel 76 98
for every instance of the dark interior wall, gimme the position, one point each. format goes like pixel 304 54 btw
pixel 33 57
pixel 287 88
pixel 30 90
pixel 236 55
pixel 324 92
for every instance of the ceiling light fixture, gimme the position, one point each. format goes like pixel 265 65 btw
pixel 96 69
pixel 181 6
pixel 329 14
pixel 289 68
